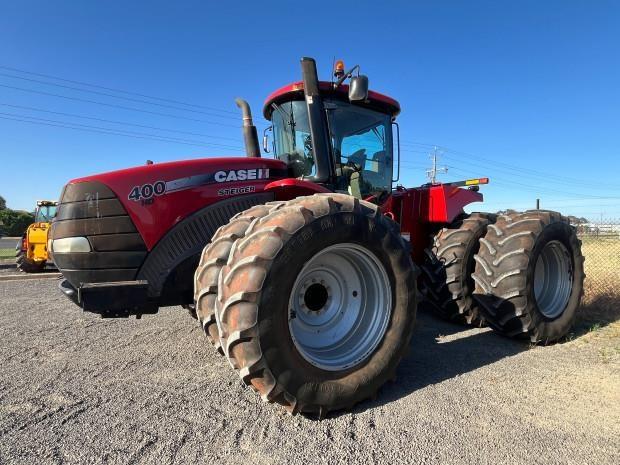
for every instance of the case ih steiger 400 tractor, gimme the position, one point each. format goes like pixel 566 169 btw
pixel 304 269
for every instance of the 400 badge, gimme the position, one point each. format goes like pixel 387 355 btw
pixel 147 191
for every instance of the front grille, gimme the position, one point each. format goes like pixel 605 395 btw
pixel 92 210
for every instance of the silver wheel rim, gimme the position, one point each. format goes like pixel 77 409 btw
pixel 553 279
pixel 340 307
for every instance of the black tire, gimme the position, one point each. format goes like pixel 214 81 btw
pixel 191 309
pixel 446 281
pixel 25 265
pixel 254 290
pixel 505 275
pixel 213 257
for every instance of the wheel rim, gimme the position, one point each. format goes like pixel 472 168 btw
pixel 553 279
pixel 340 306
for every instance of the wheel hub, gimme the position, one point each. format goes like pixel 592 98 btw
pixel 553 279
pixel 316 297
pixel 340 306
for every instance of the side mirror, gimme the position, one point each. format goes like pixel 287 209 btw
pixel 358 88
pixel 266 139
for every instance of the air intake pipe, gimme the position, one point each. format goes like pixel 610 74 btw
pixel 250 136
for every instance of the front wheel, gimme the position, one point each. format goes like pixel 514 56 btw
pixel 317 303
pixel 26 265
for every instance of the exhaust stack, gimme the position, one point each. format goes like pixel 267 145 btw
pixel 317 122
pixel 250 136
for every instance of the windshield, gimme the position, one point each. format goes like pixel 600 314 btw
pixel 292 140
pixel 45 214
pixel 362 147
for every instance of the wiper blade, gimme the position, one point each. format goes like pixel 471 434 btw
pixel 282 111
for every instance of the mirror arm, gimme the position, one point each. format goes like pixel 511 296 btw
pixel 394 123
pixel 346 75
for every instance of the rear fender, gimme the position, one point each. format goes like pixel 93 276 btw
pixel 422 210
pixel 446 202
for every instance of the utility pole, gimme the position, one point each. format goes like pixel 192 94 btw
pixel 432 173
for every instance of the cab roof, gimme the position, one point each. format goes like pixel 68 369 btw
pixel 295 91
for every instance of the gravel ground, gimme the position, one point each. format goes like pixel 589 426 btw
pixel 8 267
pixel 78 389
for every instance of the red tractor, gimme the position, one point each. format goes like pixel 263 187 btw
pixel 304 269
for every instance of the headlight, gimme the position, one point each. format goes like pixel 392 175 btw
pixel 70 245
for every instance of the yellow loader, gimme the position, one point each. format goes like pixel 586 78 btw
pixel 32 252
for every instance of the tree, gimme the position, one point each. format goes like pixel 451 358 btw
pixel 508 211
pixel 2 203
pixel 14 222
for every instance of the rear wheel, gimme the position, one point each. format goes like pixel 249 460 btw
pixel 27 265
pixel 446 281
pixel 317 303
pixel 529 275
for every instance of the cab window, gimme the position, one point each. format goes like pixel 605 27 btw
pixel 292 140
pixel 362 146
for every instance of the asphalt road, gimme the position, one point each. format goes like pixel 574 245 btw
pixel 76 389
pixel 8 242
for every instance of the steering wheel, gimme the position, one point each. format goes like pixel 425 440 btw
pixel 360 155
pixel 298 164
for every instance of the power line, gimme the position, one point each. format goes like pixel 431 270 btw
pixel 537 178
pixel 122 107
pixel 163 105
pixel 545 175
pixel 117 130
pixel 82 83
pixel 125 123
pixel 529 186
pixel 493 164
pixel 108 131
pixel 510 169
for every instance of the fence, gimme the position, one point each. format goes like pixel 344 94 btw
pixel 601 249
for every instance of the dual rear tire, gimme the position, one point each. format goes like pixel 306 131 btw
pixel 529 276
pixel 315 300
pixel 446 282
pixel 522 274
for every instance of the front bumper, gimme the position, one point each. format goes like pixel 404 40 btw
pixel 111 299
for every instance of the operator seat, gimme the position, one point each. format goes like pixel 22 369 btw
pixel 354 173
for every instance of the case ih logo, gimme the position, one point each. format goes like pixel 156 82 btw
pixel 242 175
pixel 147 193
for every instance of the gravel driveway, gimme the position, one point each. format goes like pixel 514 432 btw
pixel 78 389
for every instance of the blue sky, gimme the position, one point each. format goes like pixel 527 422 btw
pixel 526 93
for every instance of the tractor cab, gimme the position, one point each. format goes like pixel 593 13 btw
pixel 46 211
pixel 334 134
